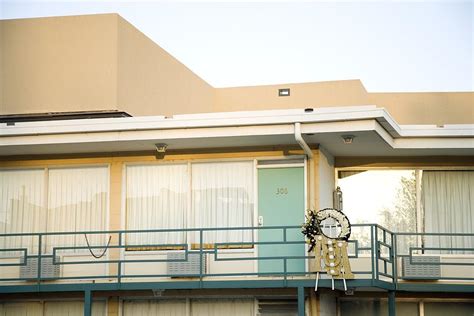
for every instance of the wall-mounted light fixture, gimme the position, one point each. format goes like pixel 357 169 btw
pixel 160 150
pixel 348 139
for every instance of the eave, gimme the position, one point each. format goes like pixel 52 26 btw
pixel 376 133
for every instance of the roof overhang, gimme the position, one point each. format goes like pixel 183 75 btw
pixel 374 130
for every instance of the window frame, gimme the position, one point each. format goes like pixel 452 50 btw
pixel 420 225
pixel 45 168
pixel 191 245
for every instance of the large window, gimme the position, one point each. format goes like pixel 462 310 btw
pixel 448 205
pixel 53 200
pixel 50 308
pixel 193 195
pixel 411 201
pixel 385 197
pixel 222 196
pixel 156 198
pixel 193 307
pixel 22 206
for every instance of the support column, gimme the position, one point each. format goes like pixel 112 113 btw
pixel 87 303
pixel 314 303
pixel 114 213
pixel 391 304
pixel 113 306
pixel 301 311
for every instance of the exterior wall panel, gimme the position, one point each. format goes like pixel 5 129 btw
pixel 152 82
pixel 58 64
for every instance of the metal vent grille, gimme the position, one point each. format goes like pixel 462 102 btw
pixel 418 270
pixel 185 268
pixel 279 307
pixel 48 269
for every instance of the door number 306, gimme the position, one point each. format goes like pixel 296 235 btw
pixel 281 191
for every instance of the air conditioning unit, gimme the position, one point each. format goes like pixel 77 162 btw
pixel 277 307
pixel 421 268
pixel 185 268
pixel 48 269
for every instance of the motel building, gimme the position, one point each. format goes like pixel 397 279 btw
pixel 130 186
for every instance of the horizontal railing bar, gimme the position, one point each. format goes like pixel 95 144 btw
pixel 441 248
pixel 386 275
pixel 434 234
pixel 380 237
pixel 165 230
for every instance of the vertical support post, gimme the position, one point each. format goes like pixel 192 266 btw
pixel 301 311
pixel 87 303
pixel 40 249
pixel 391 304
pixel 373 255
pixel 201 233
pixel 377 252
pixel 395 260
pixel 119 263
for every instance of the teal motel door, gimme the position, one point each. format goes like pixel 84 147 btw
pixel 281 202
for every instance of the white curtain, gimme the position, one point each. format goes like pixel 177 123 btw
pixel 22 208
pixel 77 201
pixel 156 198
pixel 152 308
pixel 448 202
pixel 228 307
pixel 222 196
pixel 21 309
pixel 74 308
pixel 58 308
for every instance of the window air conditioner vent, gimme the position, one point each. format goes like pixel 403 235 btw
pixel 421 268
pixel 277 307
pixel 186 268
pixel 48 268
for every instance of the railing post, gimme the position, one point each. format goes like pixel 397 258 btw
pixel 394 260
pixel 376 252
pixel 201 233
pixel 301 311
pixel 40 249
pixel 391 304
pixel 87 303
pixel 373 254
pixel 119 268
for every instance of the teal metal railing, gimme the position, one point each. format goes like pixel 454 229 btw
pixel 374 248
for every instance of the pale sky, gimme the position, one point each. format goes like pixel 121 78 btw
pixel 389 45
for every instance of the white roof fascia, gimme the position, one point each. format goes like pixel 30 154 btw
pixel 258 123
pixel 452 130
pixel 159 123
pixel 430 143
pixel 119 136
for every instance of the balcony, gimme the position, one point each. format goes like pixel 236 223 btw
pixel 113 260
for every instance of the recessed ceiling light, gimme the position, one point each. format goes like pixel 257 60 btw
pixel 348 139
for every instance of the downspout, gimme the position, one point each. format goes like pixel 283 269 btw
pixel 299 139
pixel 313 298
pixel 311 164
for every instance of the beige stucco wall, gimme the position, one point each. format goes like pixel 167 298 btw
pixel 406 108
pixel 1 66
pixel 302 95
pixel 58 64
pixel 428 108
pixel 92 62
pixel 152 82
